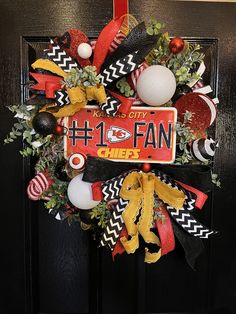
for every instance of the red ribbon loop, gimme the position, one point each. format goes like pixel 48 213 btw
pixel 48 83
pixel 104 41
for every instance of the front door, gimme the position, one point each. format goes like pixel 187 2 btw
pixel 51 267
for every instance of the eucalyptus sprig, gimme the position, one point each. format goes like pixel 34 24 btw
pixel 184 136
pixel 57 194
pixel 215 179
pixel 102 214
pixel 86 76
pixel 154 27
pixel 124 87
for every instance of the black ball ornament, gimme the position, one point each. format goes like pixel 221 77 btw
pixel 44 123
pixel 180 91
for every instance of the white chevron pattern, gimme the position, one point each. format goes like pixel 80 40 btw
pixel 115 225
pixel 62 98
pixel 119 68
pixel 61 58
pixel 111 188
pixel 191 225
pixel 111 106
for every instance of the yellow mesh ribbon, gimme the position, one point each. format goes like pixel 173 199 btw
pixel 138 188
pixel 128 24
pixel 48 65
pixel 79 96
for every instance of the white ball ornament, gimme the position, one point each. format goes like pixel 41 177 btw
pixel 84 51
pixel 156 85
pixel 80 193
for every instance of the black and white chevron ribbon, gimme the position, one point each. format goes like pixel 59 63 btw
pixel 190 224
pixel 182 216
pixel 61 98
pixel 111 106
pixel 111 188
pixel 119 68
pixel 115 225
pixel 61 58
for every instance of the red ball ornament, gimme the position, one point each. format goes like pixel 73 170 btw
pixel 59 130
pixel 146 167
pixel 176 45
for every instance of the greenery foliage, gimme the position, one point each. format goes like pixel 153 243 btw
pixel 86 76
pixel 124 87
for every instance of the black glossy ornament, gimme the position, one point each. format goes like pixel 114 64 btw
pixel 180 91
pixel 44 123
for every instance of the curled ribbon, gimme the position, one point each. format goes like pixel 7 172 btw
pixel 138 188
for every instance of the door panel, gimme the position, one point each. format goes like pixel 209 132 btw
pixel 51 267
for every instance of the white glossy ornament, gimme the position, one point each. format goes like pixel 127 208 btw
pixel 156 85
pixel 80 193
pixel 84 51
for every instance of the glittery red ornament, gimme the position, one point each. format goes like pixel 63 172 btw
pixel 202 108
pixel 176 45
pixel 70 42
pixel 146 167
pixel 59 130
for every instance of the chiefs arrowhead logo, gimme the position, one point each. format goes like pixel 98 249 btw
pixel 116 134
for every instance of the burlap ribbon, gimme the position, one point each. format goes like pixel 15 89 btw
pixel 138 188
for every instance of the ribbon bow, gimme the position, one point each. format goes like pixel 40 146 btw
pixel 127 57
pixel 137 193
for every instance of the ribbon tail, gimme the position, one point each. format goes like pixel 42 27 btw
pixel 119 248
pixel 165 232
pixel 115 225
pixel 189 223
pixel 192 246
pixel 146 219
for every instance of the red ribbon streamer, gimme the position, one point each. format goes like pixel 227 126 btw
pixel 120 7
pixel 49 83
pixel 119 249
pixel 126 103
pixel 201 197
pixel 97 191
pixel 166 232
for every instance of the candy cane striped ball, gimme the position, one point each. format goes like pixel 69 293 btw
pixel 37 186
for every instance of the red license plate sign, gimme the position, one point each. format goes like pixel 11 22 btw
pixel 142 135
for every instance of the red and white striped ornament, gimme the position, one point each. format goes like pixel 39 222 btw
pixel 77 161
pixel 38 185
pixel 117 41
pixel 135 74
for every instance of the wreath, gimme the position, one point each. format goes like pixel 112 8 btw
pixel 136 172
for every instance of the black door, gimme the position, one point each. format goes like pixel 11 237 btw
pixel 51 267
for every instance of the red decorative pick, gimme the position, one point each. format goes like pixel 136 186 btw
pixel 176 45
pixel 59 130
pixel 146 167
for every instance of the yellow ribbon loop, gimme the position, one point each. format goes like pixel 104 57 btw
pixel 79 97
pixel 48 65
pixel 139 188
